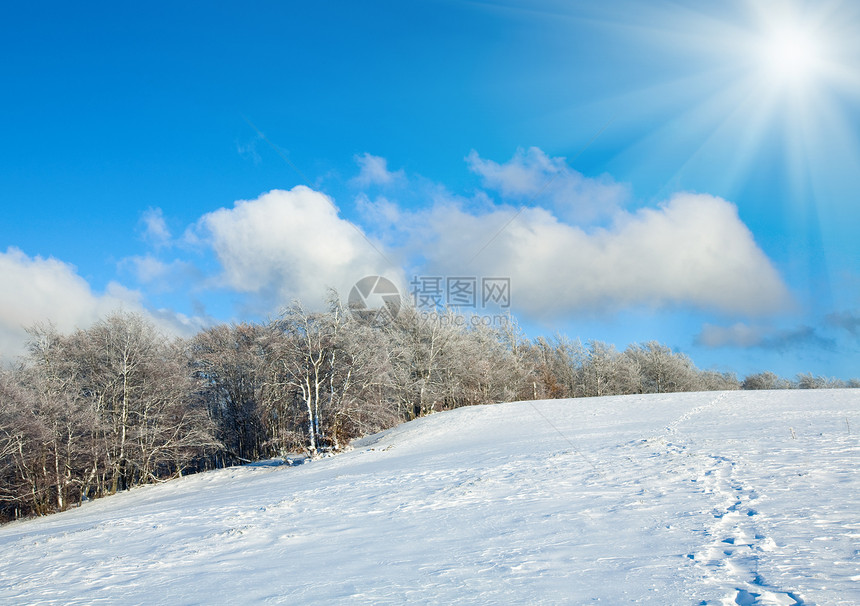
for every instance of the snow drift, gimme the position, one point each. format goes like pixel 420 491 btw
pixel 703 498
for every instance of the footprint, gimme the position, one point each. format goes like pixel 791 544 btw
pixel 745 598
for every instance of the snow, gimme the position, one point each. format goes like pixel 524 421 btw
pixel 704 498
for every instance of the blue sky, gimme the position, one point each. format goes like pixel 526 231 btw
pixel 640 170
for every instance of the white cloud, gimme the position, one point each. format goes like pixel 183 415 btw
pixel 694 251
pixel 691 252
pixel 289 244
pixel 736 335
pixel 162 275
pixel 531 175
pixel 155 228
pixel 378 212
pixel 147 268
pixel 374 171
pixel 249 150
pixel 180 324
pixel 743 335
pixel 35 290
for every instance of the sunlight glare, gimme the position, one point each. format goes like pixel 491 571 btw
pixel 790 56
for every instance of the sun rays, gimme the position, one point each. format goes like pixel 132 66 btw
pixel 768 83
pixel 791 55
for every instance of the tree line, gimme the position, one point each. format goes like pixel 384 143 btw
pixel 87 414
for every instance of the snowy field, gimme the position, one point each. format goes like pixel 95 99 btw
pixel 705 498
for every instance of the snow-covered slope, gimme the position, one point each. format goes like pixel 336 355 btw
pixel 706 498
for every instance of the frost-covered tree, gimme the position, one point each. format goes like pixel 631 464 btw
pixel 762 380
pixel 424 351
pixel 327 372
pixel 119 404
pixel 364 375
pixel 230 362
pixel 137 391
pixel 602 372
pixel 810 381
pixel 556 366
pixel 661 370
pixel 140 386
pixel 718 381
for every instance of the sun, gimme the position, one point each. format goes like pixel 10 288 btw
pixel 750 90
pixel 790 55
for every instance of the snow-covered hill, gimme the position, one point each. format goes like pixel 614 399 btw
pixel 705 498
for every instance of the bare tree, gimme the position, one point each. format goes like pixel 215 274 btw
pixel 119 404
pixel 139 389
pixel 602 372
pixel 810 381
pixel 362 395
pixel 661 370
pixel 556 367
pixel 761 380
pixel 20 488
pixel 422 345
pixel 489 369
pixel 305 357
pixel 710 380
pixel 230 362
pixel 68 425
